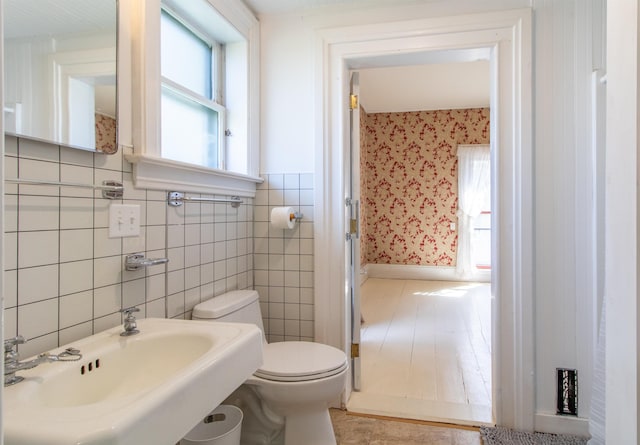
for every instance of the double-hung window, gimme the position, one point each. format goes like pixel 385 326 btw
pixel 194 95
pixel 192 109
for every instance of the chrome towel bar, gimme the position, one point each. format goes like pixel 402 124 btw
pixel 176 199
pixel 110 189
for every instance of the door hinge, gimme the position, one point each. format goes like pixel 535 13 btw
pixel 353 102
pixel 354 223
pixel 353 230
pixel 353 226
pixel 355 350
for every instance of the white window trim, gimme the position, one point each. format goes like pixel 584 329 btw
pixel 165 174
pixel 150 170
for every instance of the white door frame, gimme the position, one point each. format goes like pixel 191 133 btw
pixel 507 35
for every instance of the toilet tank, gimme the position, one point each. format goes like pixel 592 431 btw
pixel 240 306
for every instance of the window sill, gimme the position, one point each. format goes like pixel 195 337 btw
pixel 155 173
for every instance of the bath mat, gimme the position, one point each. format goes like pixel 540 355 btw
pixel 506 436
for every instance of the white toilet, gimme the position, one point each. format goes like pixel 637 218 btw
pixel 298 379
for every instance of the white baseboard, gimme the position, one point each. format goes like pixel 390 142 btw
pixel 409 272
pixel 364 275
pixel 551 423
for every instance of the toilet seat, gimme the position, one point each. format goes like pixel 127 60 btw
pixel 298 361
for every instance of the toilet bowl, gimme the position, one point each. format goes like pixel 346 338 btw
pixel 298 380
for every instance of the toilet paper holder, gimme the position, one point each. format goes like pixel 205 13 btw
pixel 297 216
pixel 285 217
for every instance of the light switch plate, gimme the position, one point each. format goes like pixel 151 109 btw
pixel 124 220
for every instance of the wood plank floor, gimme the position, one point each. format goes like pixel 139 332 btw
pixel 425 351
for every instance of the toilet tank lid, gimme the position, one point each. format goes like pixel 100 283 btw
pixel 224 304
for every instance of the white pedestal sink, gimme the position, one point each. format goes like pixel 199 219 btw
pixel 149 388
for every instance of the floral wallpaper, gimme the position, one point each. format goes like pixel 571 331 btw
pixel 106 134
pixel 409 183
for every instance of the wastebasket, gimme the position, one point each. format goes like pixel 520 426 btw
pixel 221 427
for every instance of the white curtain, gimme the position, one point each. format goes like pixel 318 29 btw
pixel 474 195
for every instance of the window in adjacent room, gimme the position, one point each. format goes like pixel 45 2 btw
pixel 482 239
pixel 474 198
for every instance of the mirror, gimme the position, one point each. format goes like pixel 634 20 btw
pixel 60 71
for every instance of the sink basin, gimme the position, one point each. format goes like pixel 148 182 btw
pixel 149 388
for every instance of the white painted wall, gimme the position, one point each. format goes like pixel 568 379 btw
pixel 287 102
pixel 621 275
pixel 564 203
pixel 563 209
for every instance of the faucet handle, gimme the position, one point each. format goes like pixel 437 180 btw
pixel 10 343
pixel 130 323
pixel 128 311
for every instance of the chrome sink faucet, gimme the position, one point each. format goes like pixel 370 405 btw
pixel 12 363
pixel 130 325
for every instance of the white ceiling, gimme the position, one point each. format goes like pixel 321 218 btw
pixel 439 86
pixel 51 17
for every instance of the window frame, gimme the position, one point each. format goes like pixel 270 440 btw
pixel 142 146
pixel 483 266
pixel 185 93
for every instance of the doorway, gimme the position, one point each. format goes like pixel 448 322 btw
pixel 503 33
pixel 425 349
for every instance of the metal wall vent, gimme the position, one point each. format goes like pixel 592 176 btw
pixel 567 391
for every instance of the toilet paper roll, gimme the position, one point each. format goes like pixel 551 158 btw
pixel 282 218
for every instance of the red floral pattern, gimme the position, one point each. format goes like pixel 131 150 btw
pixel 105 134
pixel 409 182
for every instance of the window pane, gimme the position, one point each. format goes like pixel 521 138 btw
pixel 482 247
pixel 482 239
pixel 185 58
pixel 189 131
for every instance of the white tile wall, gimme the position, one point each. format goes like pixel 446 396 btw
pixel 64 277
pixel 283 260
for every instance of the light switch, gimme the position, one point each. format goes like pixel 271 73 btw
pixel 124 220
pixel 452 226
